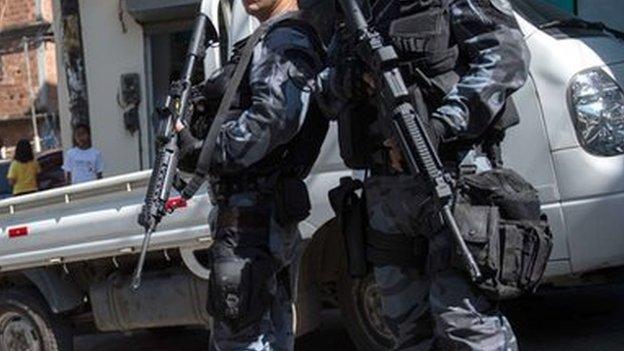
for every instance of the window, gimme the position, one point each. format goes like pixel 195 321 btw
pixel 568 5
pixel 166 46
pixel 538 12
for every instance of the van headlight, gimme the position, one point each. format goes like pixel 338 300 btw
pixel 597 105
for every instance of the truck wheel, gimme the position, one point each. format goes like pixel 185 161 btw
pixel 360 306
pixel 27 324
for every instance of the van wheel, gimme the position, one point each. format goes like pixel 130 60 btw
pixel 360 306
pixel 27 324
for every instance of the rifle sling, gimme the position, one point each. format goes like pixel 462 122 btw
pixel 205 157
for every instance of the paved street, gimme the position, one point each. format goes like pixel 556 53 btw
pixel 571 320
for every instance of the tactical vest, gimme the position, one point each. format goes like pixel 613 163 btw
pixel 428 53
pixel 295 158
pixel 422 39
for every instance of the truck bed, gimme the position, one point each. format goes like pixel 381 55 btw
pixel 91 220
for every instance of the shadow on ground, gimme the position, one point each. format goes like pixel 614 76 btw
pixel 578 319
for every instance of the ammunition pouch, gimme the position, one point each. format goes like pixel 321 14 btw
pixel 242 268
pixel 292 201
pixel 498 213
pixel 350 211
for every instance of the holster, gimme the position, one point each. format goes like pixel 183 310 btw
pixel 242 267
pixel 350 210
pixel 292 201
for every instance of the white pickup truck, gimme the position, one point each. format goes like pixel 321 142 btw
pixel 67 254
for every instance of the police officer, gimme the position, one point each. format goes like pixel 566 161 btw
pixel 463 59
pixel 264 150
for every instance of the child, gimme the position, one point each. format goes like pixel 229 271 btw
pixel 83 163
pixel 23 170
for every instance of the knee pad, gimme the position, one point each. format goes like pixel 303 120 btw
pixel 241 284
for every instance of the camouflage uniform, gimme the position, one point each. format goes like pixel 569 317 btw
pixel 274 330
pixel 429 304
pixel 254 259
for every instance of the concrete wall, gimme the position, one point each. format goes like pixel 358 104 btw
pixel 109 53
pixel 63 92
pixel 609 11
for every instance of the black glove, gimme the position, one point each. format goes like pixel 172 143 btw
pixel 346 81
pixel 187 141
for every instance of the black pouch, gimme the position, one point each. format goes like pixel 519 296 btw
pixel 292 201
pixel 350 210
pixel 498 213
pixel 354 135
pixel 525 249
pixel 479 227
pixel 502 187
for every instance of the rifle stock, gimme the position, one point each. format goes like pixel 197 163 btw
pixel 402 120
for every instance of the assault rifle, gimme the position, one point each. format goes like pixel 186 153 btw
pixel 176 107
pixel 402 120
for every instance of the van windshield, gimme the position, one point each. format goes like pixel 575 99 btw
pixel 538 12
pixel 559 23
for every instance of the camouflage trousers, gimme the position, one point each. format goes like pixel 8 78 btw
pixel 433 307
pixel 275 329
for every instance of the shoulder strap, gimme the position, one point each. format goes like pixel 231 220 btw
pixel 205 157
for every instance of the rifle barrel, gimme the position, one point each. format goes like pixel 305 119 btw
pixel 136 280
pixel 354 15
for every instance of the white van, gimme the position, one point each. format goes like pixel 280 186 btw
pixel 569 145
pixel 66 255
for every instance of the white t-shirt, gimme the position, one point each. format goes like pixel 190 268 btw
pixel 84 165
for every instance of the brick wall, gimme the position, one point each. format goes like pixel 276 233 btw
pixel 14 92
pixel 15 101
pixel 16 12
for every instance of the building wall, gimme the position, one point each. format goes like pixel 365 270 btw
pixel 17 12
pixel 109 53
pixel 63 92
pixel 16 17
pixel 14 92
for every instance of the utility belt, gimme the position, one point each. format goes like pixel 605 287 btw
pixel 288 196
pixel 226 188
pixel 244 218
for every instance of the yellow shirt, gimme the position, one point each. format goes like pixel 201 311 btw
pixel 24 175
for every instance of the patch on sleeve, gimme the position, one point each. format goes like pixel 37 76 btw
pixel 503 6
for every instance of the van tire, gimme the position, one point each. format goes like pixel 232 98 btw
pixel 360 307
pixel 27 321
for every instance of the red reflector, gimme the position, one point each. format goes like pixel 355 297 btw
pixel 19 231
pixel 175 202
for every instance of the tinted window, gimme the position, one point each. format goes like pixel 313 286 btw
pixel 538 12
